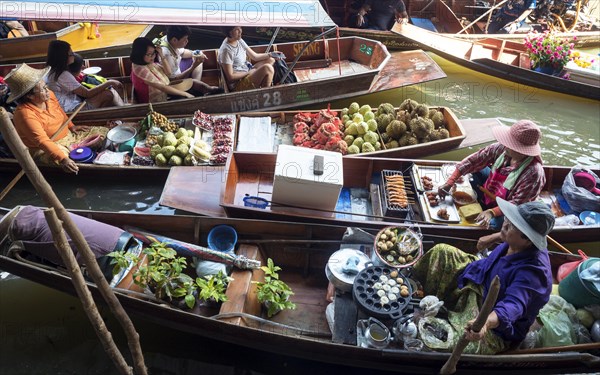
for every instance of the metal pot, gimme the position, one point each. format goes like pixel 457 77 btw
pixel 343 266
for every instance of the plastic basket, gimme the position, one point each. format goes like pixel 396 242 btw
pixel 257 202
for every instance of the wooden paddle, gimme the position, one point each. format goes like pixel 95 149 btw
pixel 490 300
pixel 550 239
pixel 21 173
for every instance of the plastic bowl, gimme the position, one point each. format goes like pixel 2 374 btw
pixel 222 238
pixel 589 218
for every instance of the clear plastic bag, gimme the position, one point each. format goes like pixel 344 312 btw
pixel 579 198
pixel 558 318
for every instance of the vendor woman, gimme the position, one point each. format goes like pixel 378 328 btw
pixel 39 116
pixel 521 262
pixel 510 169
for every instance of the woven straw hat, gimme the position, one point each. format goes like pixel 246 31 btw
pixel 182 84
pixel 22 79
pixel 523 137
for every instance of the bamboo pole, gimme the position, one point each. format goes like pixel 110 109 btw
pixel 490 300
pixel 14 181
pixel 483 15
pixel 90 308
pixel 45 191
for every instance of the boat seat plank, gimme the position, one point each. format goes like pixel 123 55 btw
pixel 241 295
pixel 333 70
pixel 345 315
pixel 190 187
pixel 478 131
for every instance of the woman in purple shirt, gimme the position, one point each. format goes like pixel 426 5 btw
pixel 522 263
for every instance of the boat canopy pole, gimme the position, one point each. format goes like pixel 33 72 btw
pixel 298 55
pixel 273 39
pixel 483 15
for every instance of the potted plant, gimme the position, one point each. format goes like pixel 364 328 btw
pixel 163 275
pixel 547 53
pixel 212 288
pixel 273 292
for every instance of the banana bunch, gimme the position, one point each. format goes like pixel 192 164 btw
pixel 200 150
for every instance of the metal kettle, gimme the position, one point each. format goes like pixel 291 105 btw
pixel 371 333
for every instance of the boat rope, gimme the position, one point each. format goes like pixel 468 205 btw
pixel 301 331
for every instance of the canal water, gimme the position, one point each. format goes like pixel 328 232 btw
pixel 45 332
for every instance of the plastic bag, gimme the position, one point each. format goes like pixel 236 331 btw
pixel 566 268
pixel 558 328
pixel 579 198
pixel 436 333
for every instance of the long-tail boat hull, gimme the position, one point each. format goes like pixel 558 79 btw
pixel 302 250
pixel 252 174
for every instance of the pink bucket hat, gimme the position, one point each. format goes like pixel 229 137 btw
pixel 523 137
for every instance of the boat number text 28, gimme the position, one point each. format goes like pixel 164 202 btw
pixel 367 50
pixel 271 99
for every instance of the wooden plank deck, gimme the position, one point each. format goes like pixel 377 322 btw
pixel 478 131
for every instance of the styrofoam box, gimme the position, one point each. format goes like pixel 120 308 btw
pixel 295 183
pixel 583 75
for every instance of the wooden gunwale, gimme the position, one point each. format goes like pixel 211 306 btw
pixel 303 271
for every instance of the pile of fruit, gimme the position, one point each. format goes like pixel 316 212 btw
pixel 411 124
pixel 172 148
pixel 160 121
pixel 322 131
pixel 222 139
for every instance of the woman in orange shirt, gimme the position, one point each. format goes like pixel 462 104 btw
pixel 39 116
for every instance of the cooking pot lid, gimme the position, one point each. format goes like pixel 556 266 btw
pixel 345 264
pixel 121 134
pixel 81 153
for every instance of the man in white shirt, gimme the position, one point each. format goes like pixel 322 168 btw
pixel 173 48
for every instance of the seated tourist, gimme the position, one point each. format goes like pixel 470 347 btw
pixel 523 265
pixel 68 91
pixel 173 50
pixel 151 80
pixel 39 116
pixel 240 72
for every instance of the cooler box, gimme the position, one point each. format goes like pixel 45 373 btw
pixel 295 182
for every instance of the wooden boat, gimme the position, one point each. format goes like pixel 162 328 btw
pixel 112 37
pixel 459 138
pixel 302 250
pixel 253 174
pixel 502 59
pixel 364 66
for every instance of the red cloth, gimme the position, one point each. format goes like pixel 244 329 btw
pixel 142 92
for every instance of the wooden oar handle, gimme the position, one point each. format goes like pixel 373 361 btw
pixel 487 307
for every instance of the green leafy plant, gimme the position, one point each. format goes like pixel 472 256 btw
pixel 273 292
pixel 213 287
pixel 121 260
pixel 164 276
